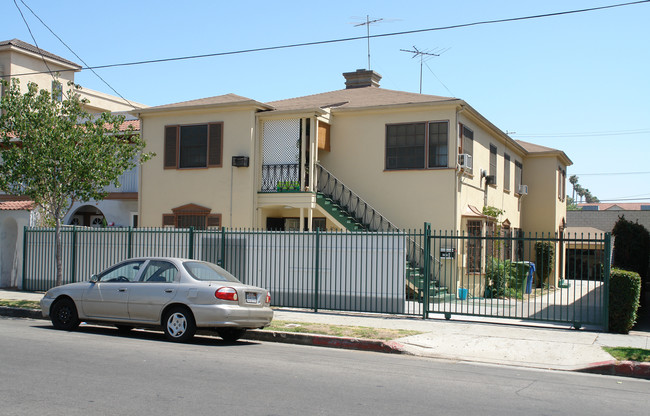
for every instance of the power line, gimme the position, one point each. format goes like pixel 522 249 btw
pixel 49 71
pixel 585 134
pixel 331 41
pixel 612 173
pixel 75 54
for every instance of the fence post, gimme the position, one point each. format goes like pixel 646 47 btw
pixel 190 253
pixel 24 256
pixel 73 273
pixel 129 243
pixel 607 267
pixel 427 268
pixel 223 247
pixel 316 270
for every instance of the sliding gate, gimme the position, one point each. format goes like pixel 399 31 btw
pixel 551 278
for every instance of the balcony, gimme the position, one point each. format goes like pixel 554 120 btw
pixel 281 178
pixel 128 181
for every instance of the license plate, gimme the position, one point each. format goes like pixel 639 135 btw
pixel 251 297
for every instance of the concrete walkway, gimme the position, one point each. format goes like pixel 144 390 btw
pixel 557 348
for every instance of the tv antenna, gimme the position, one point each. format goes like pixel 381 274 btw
pixel 367 23
pixel 422 55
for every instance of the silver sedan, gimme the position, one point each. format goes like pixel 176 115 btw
pixel 179 295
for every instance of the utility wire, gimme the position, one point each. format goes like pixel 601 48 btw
pixel 331 41
pixel 75 54
pixel 49 71
pixel 612 173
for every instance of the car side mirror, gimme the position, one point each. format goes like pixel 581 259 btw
pixel 94 279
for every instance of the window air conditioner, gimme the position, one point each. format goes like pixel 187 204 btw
pixel 523 190
pixel 465 161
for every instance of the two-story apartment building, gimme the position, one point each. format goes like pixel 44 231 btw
pixel 28 63
pixel 408 158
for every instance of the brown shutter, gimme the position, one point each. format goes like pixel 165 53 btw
pixel 214 220
pixel 171 147
pixel 169 220
pixel 215 144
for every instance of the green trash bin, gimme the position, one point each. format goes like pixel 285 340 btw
pixel 524 272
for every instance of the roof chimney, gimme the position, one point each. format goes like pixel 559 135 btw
pixel 361 78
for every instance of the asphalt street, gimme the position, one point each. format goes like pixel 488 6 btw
pixel 96 371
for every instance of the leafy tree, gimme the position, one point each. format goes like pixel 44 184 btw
pixel 56 153
pixel 632 250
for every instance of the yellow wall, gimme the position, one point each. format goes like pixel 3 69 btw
pixel 19 63
pixel 164 189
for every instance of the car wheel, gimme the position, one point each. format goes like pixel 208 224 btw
pixel 231 334
pixel 64 315
pixel 178 324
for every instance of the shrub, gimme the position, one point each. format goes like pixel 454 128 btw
pixel 632 248
pixel 501 279
pixel 624 293
pixel 544 260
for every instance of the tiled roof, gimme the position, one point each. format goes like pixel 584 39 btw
pixel 133 123
pixel 31 48
pixel 356 98
pixel 629 206
pixel 17 206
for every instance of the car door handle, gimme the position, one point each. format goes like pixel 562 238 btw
pixel 169 290
pixel 122 289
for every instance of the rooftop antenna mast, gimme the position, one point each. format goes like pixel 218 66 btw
pixel 421 54
pixel 367 23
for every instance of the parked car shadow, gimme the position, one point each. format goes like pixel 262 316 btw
pixel 202 337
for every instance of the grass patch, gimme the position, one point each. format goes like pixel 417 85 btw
pixel 340 330
pixel 27 304
pixel 629 354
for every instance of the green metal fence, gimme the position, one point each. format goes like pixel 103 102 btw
pixel 410 272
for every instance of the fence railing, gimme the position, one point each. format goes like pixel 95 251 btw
pixel 364 271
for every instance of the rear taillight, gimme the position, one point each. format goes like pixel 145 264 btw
pixel 268 297
pixel 226 293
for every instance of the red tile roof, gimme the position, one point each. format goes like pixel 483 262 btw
pixel 17 206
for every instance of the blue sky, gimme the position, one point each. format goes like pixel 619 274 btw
pixel 578 82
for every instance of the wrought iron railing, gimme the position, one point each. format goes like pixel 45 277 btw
pixel 280 178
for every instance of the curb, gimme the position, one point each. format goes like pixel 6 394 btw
pixel 21 312
pixel 390 347
pixel 619 368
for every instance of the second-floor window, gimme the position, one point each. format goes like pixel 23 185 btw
pixel 417 145
pixel 506 171
pixel 518 176
pixel 493 162
pixel 193 146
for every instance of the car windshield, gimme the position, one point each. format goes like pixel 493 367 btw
pixel 208 272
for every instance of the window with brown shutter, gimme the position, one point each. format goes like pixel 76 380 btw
pixel 171 144
pixel 194 146
pixel 192 215
pixel 215 144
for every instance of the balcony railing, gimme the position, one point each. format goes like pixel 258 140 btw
pixel 279 178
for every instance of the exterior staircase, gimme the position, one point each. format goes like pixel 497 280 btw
pixel 355 214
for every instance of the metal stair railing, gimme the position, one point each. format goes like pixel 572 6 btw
pixel 330 186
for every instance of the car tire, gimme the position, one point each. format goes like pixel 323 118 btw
pixel 178 324
pixel 64 315
pixel 231 334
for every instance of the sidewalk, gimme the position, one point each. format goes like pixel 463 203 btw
pixel 558 348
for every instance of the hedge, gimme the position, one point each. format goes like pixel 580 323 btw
pixel 624 294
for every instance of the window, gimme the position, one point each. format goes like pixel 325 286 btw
pixel 417 145
pixel 57 91
pixel 193 146
pixel 466 141
pixel 474 246
pixel 208 272
pixel 493 163
pixel 191 215
pixel 506 172
pixel 561 183
pixel 518 175
pixel 126 272
pixel 159 272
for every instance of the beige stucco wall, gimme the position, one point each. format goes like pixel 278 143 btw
pixel 543 210
pixel 17 63
pixel 214 188
pixel 408 198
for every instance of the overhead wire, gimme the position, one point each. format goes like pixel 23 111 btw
pixel 349 39
pixel 75 54
pixel 29 29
